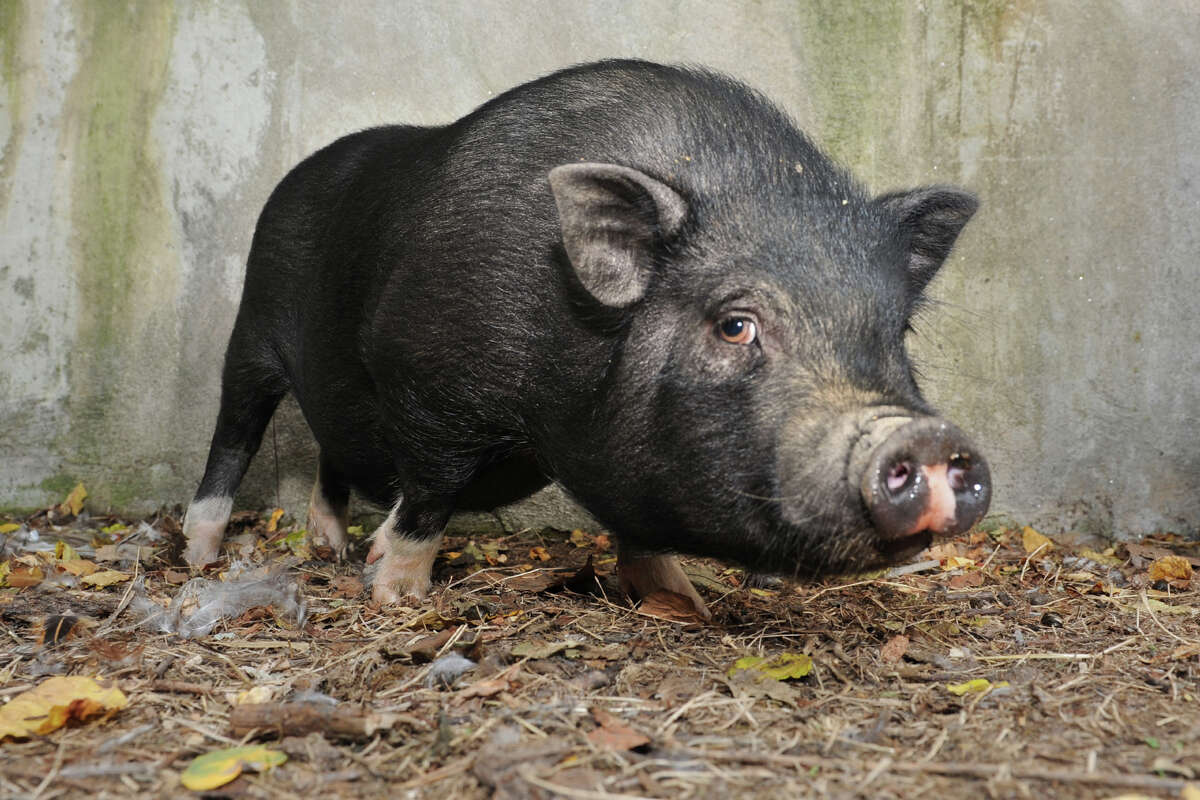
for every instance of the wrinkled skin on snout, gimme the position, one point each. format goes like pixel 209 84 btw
pixel 642 282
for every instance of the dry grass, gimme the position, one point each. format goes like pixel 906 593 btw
pixel 583 695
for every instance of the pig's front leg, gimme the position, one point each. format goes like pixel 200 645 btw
pixel 642 575
pixel 405 559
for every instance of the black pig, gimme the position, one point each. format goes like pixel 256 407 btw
pixel 642 282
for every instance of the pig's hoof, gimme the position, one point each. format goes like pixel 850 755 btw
pixel 200 554
pixel 641 576
pixel 204 528
pixel 327 529
pixel 404 570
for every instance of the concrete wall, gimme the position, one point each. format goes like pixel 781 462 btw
pixel 139 141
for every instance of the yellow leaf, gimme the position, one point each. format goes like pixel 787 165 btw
pixel 221 766
pixel 1191 791
pixel 976 686
pixel 957 562
pixel 74 501
pixel 9 527
pixel 274 522
pixel 1106 557
pixel 1031 540
pixel 539 554
pixel 50 704
pixel 253 696
pixel 64 551
pixel 1171 568
pixel 79 566
pixel 782 667
pixel 105 578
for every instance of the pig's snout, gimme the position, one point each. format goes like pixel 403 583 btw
pixel 925 478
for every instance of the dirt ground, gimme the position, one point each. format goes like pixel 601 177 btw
pixel 1000 664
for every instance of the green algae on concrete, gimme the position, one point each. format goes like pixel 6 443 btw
pixel 12 18
pixel 125 282
pixel 854 50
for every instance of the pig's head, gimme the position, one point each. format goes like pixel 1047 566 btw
pixel 759 404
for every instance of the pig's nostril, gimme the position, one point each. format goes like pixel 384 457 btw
pixel 898 476
pixel 956 473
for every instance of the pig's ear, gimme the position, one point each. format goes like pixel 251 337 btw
pixel 611 219
pixel 930 220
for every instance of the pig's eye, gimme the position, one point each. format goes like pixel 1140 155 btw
pixel 737 330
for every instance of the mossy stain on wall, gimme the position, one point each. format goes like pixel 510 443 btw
pixel 122 274
pixel 12 18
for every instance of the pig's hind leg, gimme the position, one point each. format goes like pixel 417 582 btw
pixel 250 392
pixel 406 559
pixel 329 508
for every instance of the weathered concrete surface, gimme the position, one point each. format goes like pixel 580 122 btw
pixel 139 143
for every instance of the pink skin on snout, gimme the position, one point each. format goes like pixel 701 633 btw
pixel 938 514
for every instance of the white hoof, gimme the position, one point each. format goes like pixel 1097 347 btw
pixel 204 528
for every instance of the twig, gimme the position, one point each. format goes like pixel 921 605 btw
pixel 53 773
pixel 448 771
pixel 526 772
pixel 984 771
pixel 125 738
pixel 180 687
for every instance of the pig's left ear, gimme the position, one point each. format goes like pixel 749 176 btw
pixel 611 218
pixel 930 220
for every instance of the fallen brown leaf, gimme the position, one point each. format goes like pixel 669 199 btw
pixel 893 651
pixel 614 734
pixel 671 606
pixel 490 686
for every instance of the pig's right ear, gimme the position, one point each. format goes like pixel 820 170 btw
pixel 930 219
pixel 611 219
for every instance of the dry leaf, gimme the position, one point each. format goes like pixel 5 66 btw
pixel 614 734
pixel 273 523
pixel 23 577
pixel 893 651
pixel 73 504
pixel 1148 552
pixel 346 586
pixel 538 649
pixel 55 701
pixel 941 552
pixel 968 580
pixel 1032 541
pixel 106 578
pixel 671 606
pixel 490 686
pixel 1175 570
pixel 78 567
pixel 539 554
pixel 1185 651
